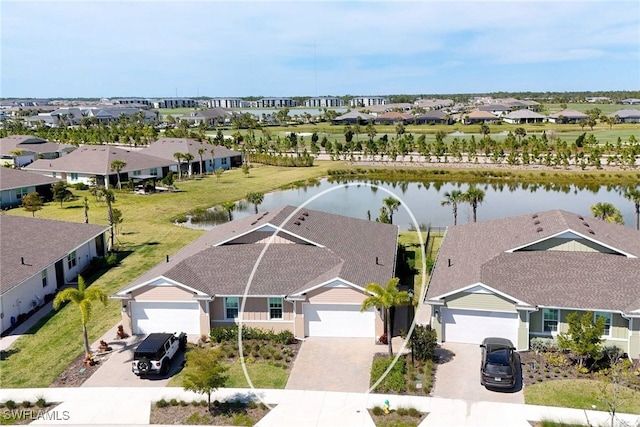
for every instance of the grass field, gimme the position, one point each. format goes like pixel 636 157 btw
pixel 580 394
pixel 148 235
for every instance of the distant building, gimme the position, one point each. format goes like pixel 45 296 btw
pixel 367 101
pixel 135 101
pixel 274 103
pixel 227 103
pixel 324 102
pixel 631 101
pixel 175 103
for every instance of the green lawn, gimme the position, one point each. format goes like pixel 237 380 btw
pixel 148 235
pixel 262 374
pixel 580 394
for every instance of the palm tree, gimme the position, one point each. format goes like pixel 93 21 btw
pixel 213 158
pixel 83 298
pixel 385 298
pixel 606 212
pixel 453 198
pixel 201 151
pixel 178 157
pixel 229 207
pixel 117 166
pixel 255 198
pixel 392 204
pixel 188 157
pixel 633 194
pixel 474 196
pixel 109 197
pixel 86 210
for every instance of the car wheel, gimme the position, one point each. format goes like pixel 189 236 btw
pixel 144 365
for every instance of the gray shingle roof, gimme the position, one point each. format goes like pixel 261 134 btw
pixel 97 159
pixel 32 144
pixel 626 113
pixel 48 241
pixel 524 114
pixel 344 247
pixel 476 252
pixel 165 148
pixel 16 178
pixel 569 114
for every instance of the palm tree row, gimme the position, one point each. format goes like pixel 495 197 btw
pixel 474 196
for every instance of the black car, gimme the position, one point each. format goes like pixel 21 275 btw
pixel 498 366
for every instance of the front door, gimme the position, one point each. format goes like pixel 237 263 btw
pixel 59 275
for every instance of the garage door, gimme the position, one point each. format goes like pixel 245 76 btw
pixel 469 326
pixel 169 317
pixel 339 320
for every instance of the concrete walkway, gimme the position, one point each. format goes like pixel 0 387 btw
pixel 132 406
pixel 8 340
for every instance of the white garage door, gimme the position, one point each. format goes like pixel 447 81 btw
pixel 169 317
pixel 339 320
pixel 469 326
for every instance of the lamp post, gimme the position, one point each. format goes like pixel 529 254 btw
pixel 411 294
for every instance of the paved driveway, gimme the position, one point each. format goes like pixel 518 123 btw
pixel 334 364
pixel 458 377
pixel 115 367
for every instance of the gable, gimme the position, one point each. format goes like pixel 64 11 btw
pixel 336 291
pixel 263 235
pixel 568 242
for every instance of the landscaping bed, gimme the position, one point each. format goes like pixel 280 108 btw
pixel 404 378
pixel 221 413
pixel 22 413
pixel 401 417
pixel 77 372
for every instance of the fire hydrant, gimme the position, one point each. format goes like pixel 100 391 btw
pixel 386 406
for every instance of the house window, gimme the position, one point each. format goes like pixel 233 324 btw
pixel 54 174
pixel 74 176
pixel 137 173
pixel 275 308
pixel 231 307
pixel 153 171
pixel 550 320
pixel 21 192
pixel 223 160
pixel 607 321
pixel 44 278
pixel 71 260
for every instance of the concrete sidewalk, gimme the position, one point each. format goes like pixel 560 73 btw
pixel 11 337
pixel 295 408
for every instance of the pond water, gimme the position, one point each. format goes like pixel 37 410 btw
pixel 423 199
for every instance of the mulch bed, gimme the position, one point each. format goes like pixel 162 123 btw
pixel 221 415
pixel 395 419
pixel 76 373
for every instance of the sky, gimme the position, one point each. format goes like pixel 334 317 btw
pixel 66 49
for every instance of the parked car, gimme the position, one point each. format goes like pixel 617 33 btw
pixel 155 353
pixel 498 363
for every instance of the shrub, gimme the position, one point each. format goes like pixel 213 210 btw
pixel 183 403
pixel 402 411
pixel 424 340
pixel 413 412
pixel 41 402
pixel 557 359
pixel 543 345
pixel 241 420
pixel 197 419
pixel 173 402
pixel 111 259
pixel 26 404
pixel 80 186
pixel 394 381
pixel 10 404
pixel 377 411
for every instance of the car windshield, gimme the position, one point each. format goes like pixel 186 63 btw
pixel 493 369
pixel 498 356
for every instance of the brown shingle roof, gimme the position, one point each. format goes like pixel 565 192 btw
pixel 475 249
pixel 97 159
pixel 41 242
pixel 344 247
pixel 16 178
pixel 32 144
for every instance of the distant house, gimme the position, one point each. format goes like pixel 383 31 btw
pixel 165 148
pixel 629 115
pixel 524 116
pixel 16 183
pixel 368 101
pixel 478 116
pixel 211 117
pixel 324 102
pixel 434 104
pixel 630 101
pixel 393 117
pixel 90 161
pixel 432 117
pixel 353 117
pixel 495 109
pixel 54 253
pixel 21 150
pixel 567 116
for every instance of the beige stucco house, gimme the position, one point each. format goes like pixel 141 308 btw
pixel 520 277
pixel 287 269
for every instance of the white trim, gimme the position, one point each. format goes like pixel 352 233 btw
pixel 124 292
pixel 569 230
pixel 250 321
pixel 224 303
pixel 558 311
pixel 326 282
pixel 487 310
pixel 281 308
pixel 276 232
pixel 607 336
pixel 480 284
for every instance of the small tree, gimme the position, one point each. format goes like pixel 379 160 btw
pixel 204 372
pixel 32 202
pixel 117 165
pixel 584 337
pixel 245 169
pixel 117 220
pixel 611 389
pixel 229 207
pixel 392 204
pixel 255 198
pixel 85 204
pixel 61 192
pixel 423 342
pixel 218 172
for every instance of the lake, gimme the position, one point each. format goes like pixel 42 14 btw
pixel 423 199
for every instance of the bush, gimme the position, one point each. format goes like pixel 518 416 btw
pixel 377 411
pixel 10 404
pixel 111 259
pixel 26 404
pixel 162 403
pixel 424 340
pixel 543 345
pixel 241 420
pixel 413 412
pixel 394 381
pixel 402 411
pixel 173 402
pixel 183 403
pixel 41 402
pixel 80 186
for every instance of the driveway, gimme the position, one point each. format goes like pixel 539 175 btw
pixel 334 364
pixel 458 377
pixel 115 367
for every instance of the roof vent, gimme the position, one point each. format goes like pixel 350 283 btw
pixel 539 229
pixel 534 216
pixel 536 222
pixel 305 213
pixel 581 218
pixel 591 231
pixel 585 224
pixel 297 223
pixel 254 222
pixel 301 218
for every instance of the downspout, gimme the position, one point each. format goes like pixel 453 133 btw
pixel 629 335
